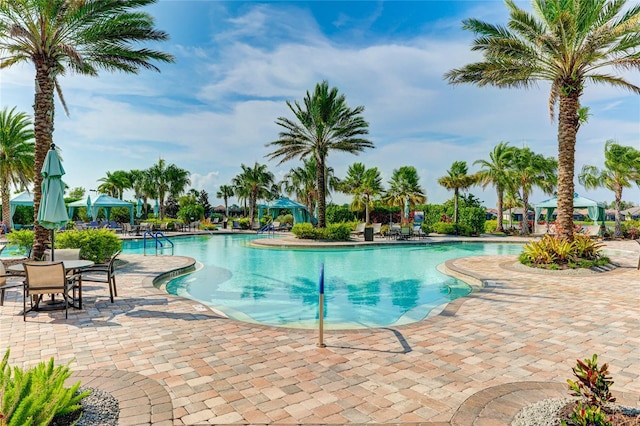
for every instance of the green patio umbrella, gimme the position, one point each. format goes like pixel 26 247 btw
pixel 139 209
pixel 52 213
pixel 156 208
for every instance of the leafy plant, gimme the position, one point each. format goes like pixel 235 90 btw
pixel 304 231
pixel 587 415
pixel 23 239
pixel 593 383
pixel 37 395
pixel 97 245
pixel 555 250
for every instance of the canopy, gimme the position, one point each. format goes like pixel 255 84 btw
pixel 300 211
pixel 22 199
pixel 595 209
pixel 103 201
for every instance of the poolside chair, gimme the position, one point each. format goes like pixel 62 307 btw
pixel 405 233
pixel 46 278
pixel 592 231
pixel 6 282
pixel 63 254
pixel 235 225
pixel 394 230
pixel 416 230
pixel 359 229
pixel 103 273
pixel 377 229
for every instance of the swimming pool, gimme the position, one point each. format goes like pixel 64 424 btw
pixel 364 286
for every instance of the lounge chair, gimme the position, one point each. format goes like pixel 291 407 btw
pixel 359 229
pixel 235 225
pixel 377 229
pixel 394 231
pixel 592 231
pixel 416 230
pixel 405 232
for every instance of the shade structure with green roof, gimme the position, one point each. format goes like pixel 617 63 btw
pixel 299 211
pixel 595 209
pixel 52 213
pixel 103 201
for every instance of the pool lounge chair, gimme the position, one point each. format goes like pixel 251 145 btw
pixel 359 229
pixel 235 225
pixel 377 228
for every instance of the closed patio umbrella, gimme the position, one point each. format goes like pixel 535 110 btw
pixel 139 209
pixel 52 213
pixel 156 208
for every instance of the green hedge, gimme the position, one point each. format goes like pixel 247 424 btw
pixel 474 218
pixel 97 245
pixel 450 228
pixel 333 232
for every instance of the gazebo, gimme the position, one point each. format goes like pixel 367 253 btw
pixel 300 211
pixel 103 201
pixel 22 199
pixel 596 210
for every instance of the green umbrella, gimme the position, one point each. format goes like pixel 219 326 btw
pixel 52 213
pixel 139 209
pixel 156 208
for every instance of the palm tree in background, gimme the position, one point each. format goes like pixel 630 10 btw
pixel 166 180
pixel 16 155
pixel 511 201
pixel 257 182
pixel 60 36
pixel 225 192
pixel 568 43
pixel 621 169
pixel 457 178
pixel 325 123
pixel 495 171
pixel 365 185
pixel 531 170
pixel 404 188
pixel 114 183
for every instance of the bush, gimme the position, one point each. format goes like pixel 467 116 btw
pixel 243 222
pixel 287 218
pixel 554 251
pixel 333 232
pixel 433 213
pixel 97 245
pixel 450 228
pixel 337 214
pixel 304 231
pixel 490 226
pixel 195 211
pixel 474 218
pixel 37 395
pixel 23 239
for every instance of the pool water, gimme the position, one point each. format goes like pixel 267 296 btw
pixel 364 286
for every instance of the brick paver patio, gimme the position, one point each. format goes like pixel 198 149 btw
pixel 171 361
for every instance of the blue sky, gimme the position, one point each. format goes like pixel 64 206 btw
pixel 238 62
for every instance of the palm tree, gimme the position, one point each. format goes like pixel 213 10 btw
pixel 404 188
pixel 225 192
pixel 84 37
pixel 167 180
pixel 568 43
pixel 457 178
pixel 621 169
pixel 257 182
pixel 16 155
pixel 325 123
pixel 495 171
pixel 531 170
pixel 115 183
pixel 511 201
pixel 365 185
pixel 301 183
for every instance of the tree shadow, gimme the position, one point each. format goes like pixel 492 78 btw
pixel 406 348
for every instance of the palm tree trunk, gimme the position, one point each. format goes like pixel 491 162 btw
pixel 525 213
pixel 252 204
pixel 499 227
pixel 567 130
pixel 366 210
pixel 618 231
pixel 322 193
pixel 43 132
pixel 6 209
pixel 455 206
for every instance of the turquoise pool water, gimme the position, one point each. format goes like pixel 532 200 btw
pixel 364 286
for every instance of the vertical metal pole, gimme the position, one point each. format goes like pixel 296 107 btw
pixel 321 309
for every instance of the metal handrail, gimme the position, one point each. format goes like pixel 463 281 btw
pixel 158 244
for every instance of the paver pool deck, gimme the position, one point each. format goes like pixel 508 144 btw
pixel 171 361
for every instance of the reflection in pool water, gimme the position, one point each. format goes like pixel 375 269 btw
pixel 364 286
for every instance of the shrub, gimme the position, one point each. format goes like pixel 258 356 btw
pixel 23 239
pixel 37 395
pixel 450 228
pixel 195 211
pixel 97 245
pixel 243 222
pixel 304 231
pixel 426 228
pixel 474 218
pixel 337 232
pixel 553 251
pixel 336 214
pixel 490 226
pixel 287 218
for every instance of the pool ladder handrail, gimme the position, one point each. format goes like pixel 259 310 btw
pixel 268 228
pixel 156 235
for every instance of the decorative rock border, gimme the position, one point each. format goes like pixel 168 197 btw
pixel 142 400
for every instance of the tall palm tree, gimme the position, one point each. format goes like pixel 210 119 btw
pixel 325 123
pixel 511 201
pixel 167 180
pixel 84 37
pixel 457 178
pixel 495 171
pixel 568 43
pixel 531 170
pixel 225 192
pixel 114 183
pixel 365 185
pixel 301 181
pixel 621 169
pixel 257 182
pixel 404 188
pixel 16 155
